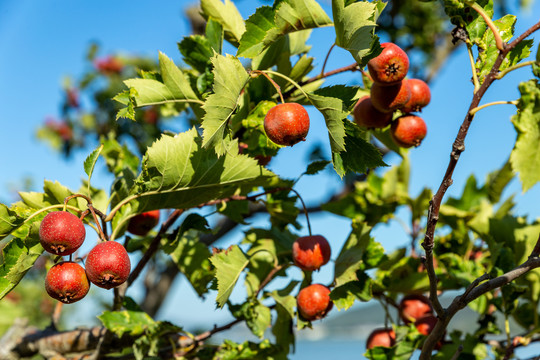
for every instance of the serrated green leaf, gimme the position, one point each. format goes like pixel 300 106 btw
pixel 90 163
pixel 355 27
pixel 349 260
pixel 359 155
pixel 119 157
pixel 269 24
pixel 9 221
pixel 486 59
pixel 334 103
pixel 149 91
pixel 175 80
pixel 197 52
pixel 230 77
pixel 178 173
pixel 525 159
pixel 192 258
pixel 229 265
pixel 18 256
pixel 227 15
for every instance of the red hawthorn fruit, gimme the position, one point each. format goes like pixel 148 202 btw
pixel 420 96
pixel 313 302
pixel 287 124
pixel 425 326
pixel 67 282
pixel 390 98
pixel 311 252
pixel 390 66
pixel 151 116
pixel 366 115
pixel 381 337
pixel 61 233
pixel 413 307
pixel 408 130
pixel 141 224
pixel 108 265
pixel 109 65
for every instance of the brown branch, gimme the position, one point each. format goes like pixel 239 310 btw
pixel 154 245
pixel 269 277
pixel 433 214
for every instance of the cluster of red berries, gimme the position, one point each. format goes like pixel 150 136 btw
pixel 309 254
pixel 391 91
pixel 413 308
pixel 107 264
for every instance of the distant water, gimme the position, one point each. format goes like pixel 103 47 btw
pixel 333 350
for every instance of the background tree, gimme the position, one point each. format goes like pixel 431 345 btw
pixel 219 162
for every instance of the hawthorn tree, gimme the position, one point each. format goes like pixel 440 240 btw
pixel 473 244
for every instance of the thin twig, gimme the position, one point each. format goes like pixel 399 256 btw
pixel 502 102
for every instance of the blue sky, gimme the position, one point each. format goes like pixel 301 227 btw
pixel 42 42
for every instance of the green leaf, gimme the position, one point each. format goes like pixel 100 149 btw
pixel 90 163
pixel 9 221
pixel 18 256
pixel 258 318
pixel 349 260
pixel 126 322
pixel 119 157
pixel 149 91
pixel 525 159
pixel 229 265
pixel 197 52
pixel 178 173
pixel 193 259
pixel 227 15
pixel 230 77
pixel 359 155
pixel 214 34
pixel 316 167
pixel 345 295
pixel 283 326
pixel 269 24
pixel 334 103
pixel 486 59
pixel 355 27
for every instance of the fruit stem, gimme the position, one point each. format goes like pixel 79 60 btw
pixel 515 67
pixel 276 86
pixel 305 210
pixel 326 59
pixel 291 81
pixel 501 102
pixel 98 225
pixel 498 40
pixel 73 208
pixel 473 68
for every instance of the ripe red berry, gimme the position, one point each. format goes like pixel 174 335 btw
pixel 311 252
pixel 313 302
pixel 141 224
pixel 109 65
pixel 286 124
pixel 408 130
pixel 390 66
pixel 108 264
pixel 420 96
pixel 390 98
pixel 413 307
pixel 366 115
pixel 67 282
pixel 425 324
pixel 61 233
pixel 381 337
